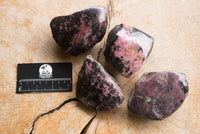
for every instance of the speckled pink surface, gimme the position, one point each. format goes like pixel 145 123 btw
pixel 78 32
pixel 96 88
pixel 26 38
pixel 158 94
pixel 126 48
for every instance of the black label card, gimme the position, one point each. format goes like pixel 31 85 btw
pixel 44 77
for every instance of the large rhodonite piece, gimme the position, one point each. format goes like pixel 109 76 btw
pixel 158 94
pixel 126 48
pixel 78 32
pixel 96 88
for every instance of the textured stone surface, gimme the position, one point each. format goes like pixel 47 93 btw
pixel 26 38
pixel 96 88
pixel 78 32
pixel 158 94
pixel 126 48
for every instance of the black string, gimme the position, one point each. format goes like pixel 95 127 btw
pixel 110 15
pixel 51 111
pixel 98 56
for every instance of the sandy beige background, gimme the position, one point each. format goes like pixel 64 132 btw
pixel 25 37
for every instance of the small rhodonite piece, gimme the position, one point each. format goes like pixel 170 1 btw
pixel 78 32
pixel 96 88
pixel 126 48
pixel 158 94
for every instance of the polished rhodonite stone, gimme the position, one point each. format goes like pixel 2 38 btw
pixel 78 32
pixel 96 88
pixel 126 48
pixel 158 94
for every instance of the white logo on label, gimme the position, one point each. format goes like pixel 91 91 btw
pixel 45 71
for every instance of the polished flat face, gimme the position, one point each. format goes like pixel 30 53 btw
pixel 96 88
pixel 126 48
pixel 78 32
pixel 158 94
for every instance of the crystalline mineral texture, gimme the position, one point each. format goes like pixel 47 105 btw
pixel 78 32
pixel 158 94
pixel 96 88
pixel 126 48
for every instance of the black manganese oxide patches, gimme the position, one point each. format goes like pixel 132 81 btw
pixel 126 48
pixel 78 32
pixel 156 95
pixel 96 88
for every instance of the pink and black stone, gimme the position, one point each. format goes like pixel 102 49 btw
pixel 157 95
pixel 96 88
pixel 126 48
pixel 80 31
